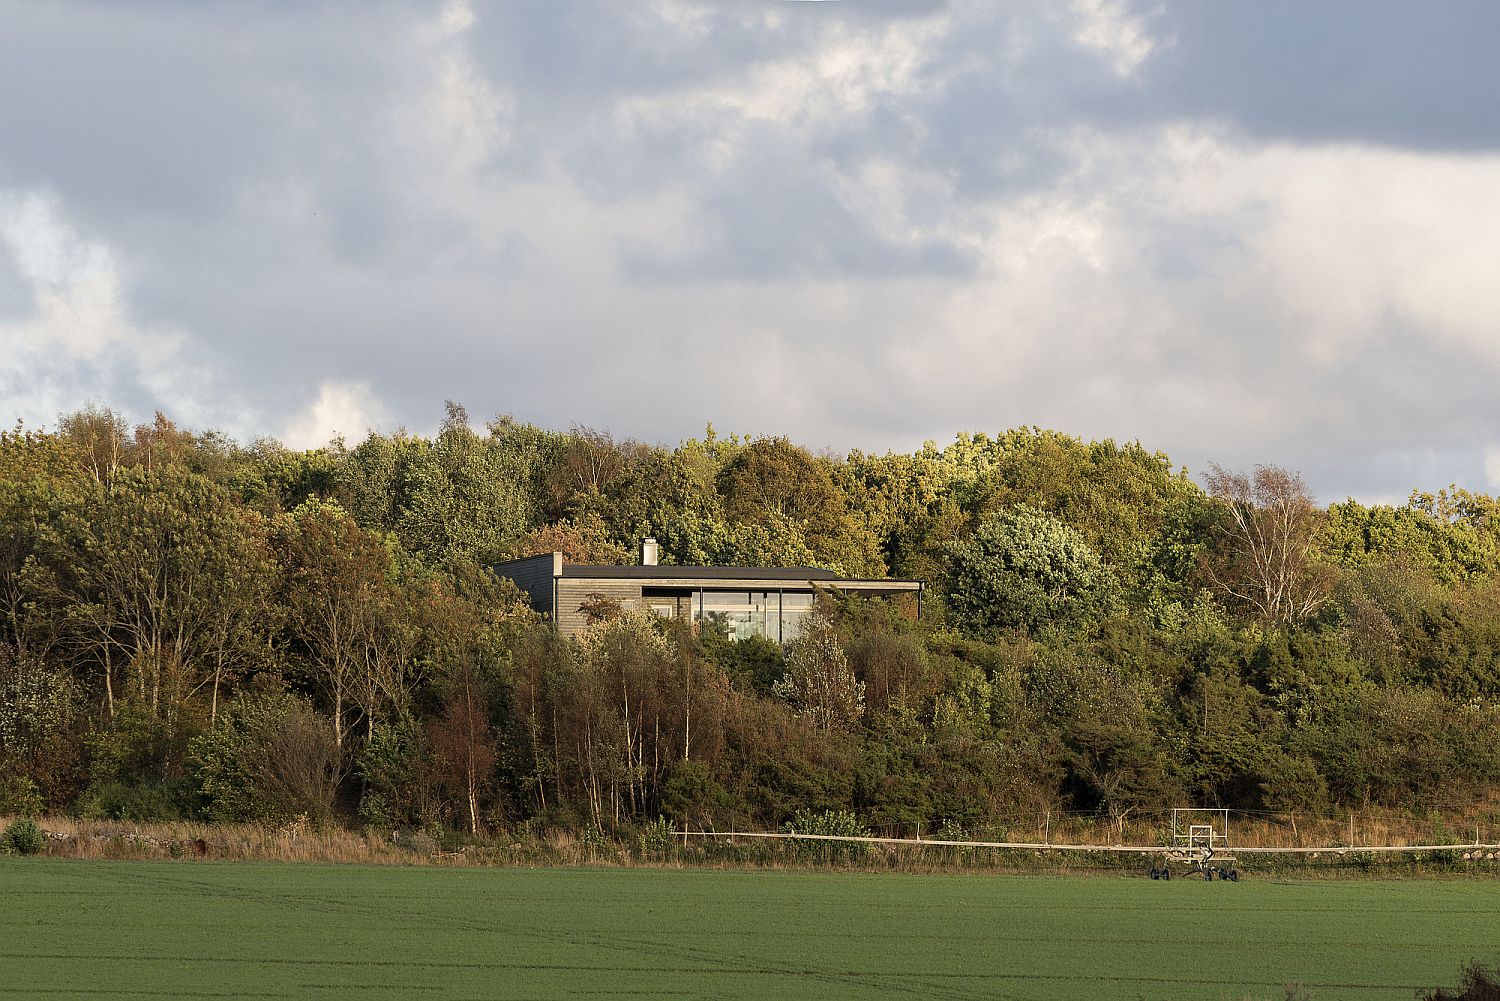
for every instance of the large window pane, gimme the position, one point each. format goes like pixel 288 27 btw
pixel 739 614
pixel 794 605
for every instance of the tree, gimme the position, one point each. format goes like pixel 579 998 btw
pixel 340 603
pixel 462 739
pixel 583 540
pixel 99 435
pixel 470 497
pixel 172 579
pixel 773 482
pixel 1024 569
pixel 1268 522
pixel 43 487
pixel 819 682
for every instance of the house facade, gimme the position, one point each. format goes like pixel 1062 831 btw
pixel 744 601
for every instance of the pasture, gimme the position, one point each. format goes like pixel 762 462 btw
pixel 256 930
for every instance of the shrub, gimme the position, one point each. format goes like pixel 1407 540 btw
pixel 23 837
pixel 693 796
pixel 139 801
pixel 270 759
pixel 1479 983
pixel 830 823
pixel 655 838
pixel 1023 568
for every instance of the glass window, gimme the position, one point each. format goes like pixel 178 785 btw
pixel 794 605
pixel 740 614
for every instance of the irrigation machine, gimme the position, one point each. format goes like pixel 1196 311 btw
pixel 1200 844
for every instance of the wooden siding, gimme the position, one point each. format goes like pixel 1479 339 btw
pixel 573 591
pixel 534 575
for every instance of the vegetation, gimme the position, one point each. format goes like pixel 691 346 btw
pixel 396 932
pixel 1477 983
pixel 23 837
pixel 196 629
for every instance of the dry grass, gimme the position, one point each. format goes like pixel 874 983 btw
pixel 301 841
pixel 295 842
pixel 1283 830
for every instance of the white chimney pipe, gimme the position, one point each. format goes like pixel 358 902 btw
pixel 650 552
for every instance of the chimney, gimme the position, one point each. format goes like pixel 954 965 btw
pixel 650 552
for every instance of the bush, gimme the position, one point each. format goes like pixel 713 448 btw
pixel 829 823
pixel 23 837
pixel 271 758
pixel 655 838
pixel 1479 983
pixel 833 824
pixel 693 796
pixel 143 802
pixel 1023 568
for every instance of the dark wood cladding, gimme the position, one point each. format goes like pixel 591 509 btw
pixel 534 575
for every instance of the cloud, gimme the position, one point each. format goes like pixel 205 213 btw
pixel 1111 27
pixel 341 410
pixel 1243 235
pixel 72 337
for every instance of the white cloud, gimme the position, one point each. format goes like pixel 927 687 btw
pixel 1111 28
pixel 78 340
pixel 1492 468
pixel 73 281
pixel 453 120
pixel 342 409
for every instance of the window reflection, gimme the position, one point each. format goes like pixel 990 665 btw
pixel 776 615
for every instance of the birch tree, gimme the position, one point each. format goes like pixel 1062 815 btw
pixel 1267 525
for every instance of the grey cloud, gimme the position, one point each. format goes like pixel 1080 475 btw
pixel 1379 71
pixel 629 251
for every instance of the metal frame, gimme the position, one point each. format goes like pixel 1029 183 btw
pixel 1200 841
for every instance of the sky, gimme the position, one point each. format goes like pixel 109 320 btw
pixel 1257 232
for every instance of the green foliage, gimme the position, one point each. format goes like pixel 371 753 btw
pixel 22 837
pixel 1024 569
pixel 819 683
pixel 188 626
pixel 137 745
pixel 693 796
pixel 397 784
pixel 19 797
pixel 1449 550
pixel 655 838
pixel 270 758
pixel 775 484
pixel 467 496
pixel 145 801
pixel 40 720
pixel 828 823
pixel 753 664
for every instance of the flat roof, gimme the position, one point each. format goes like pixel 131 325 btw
pixel 737 575
pixel 698 573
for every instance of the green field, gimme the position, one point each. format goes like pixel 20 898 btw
pixel 243 930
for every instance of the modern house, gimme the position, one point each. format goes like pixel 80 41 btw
pixel 746 601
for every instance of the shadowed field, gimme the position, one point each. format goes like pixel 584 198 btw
pixel 237 930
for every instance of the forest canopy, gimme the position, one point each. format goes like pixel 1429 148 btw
pixel 196 627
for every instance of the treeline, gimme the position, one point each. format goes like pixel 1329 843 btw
pixel 192 627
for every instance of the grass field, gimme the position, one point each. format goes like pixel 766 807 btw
pixel 243 930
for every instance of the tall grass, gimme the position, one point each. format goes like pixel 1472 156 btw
pixel 535 845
